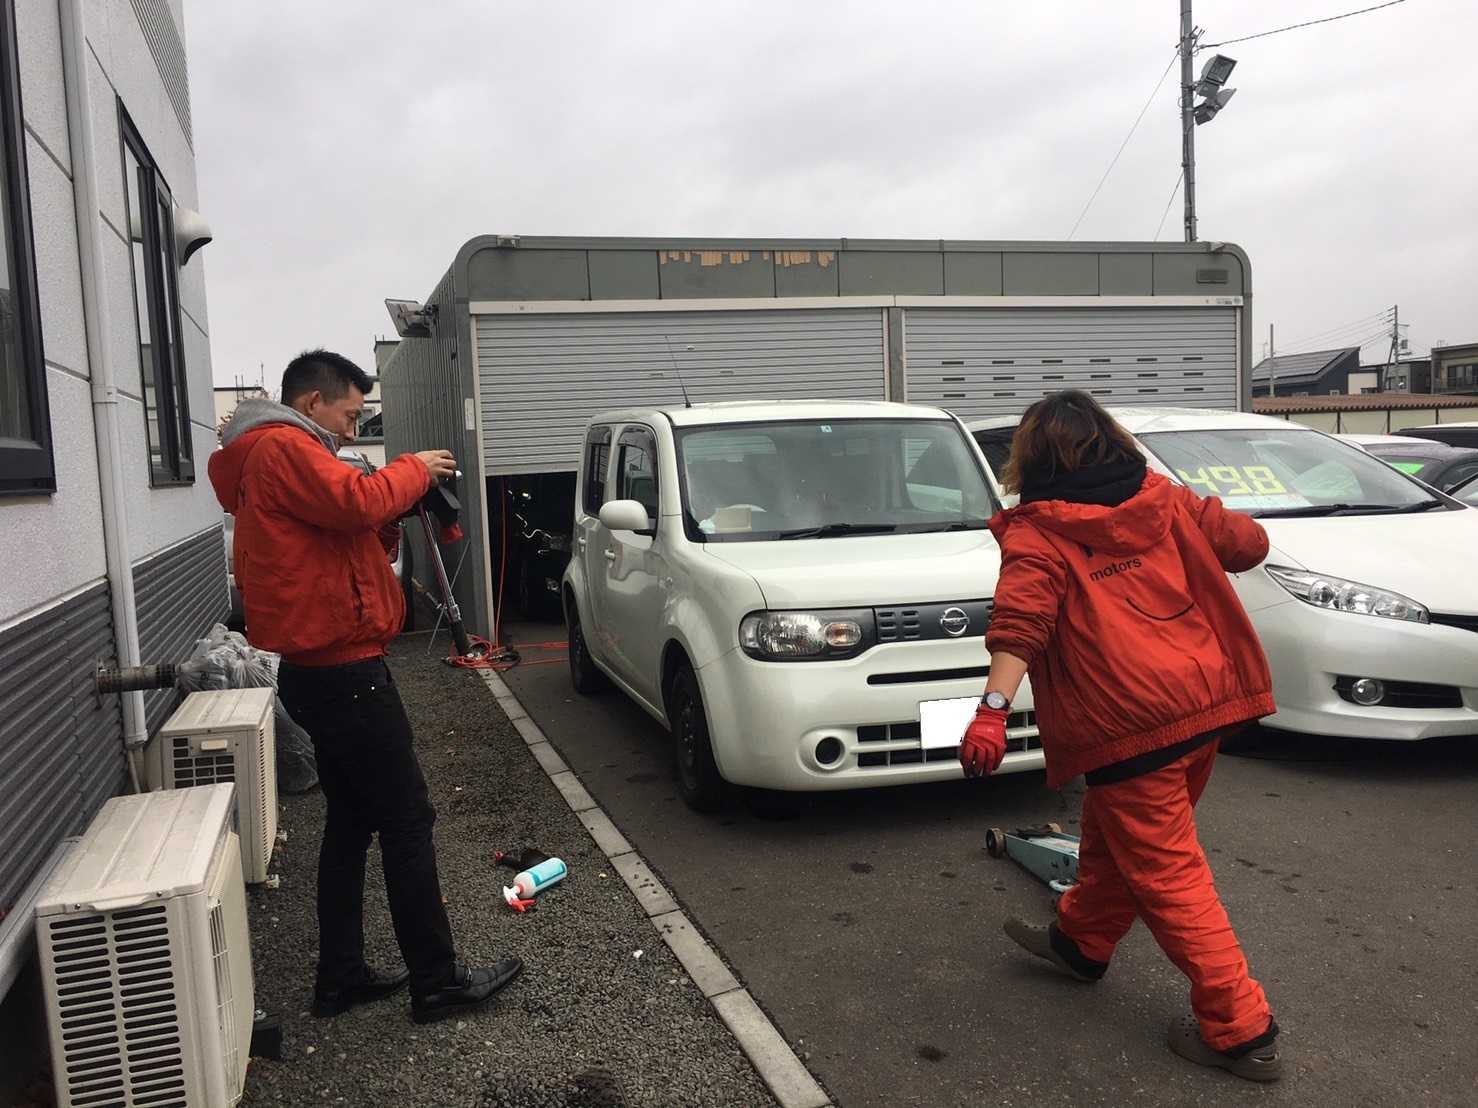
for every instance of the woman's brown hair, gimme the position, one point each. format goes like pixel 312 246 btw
pixel 1062 433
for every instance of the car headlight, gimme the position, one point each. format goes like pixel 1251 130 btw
pixel 803 636
pixel 1340 595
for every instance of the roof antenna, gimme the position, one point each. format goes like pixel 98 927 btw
pixel 686 402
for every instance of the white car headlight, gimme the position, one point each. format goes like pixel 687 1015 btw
pixel 782 636
pixel 1340 595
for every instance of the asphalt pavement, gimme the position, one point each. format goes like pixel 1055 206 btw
pixel 867 924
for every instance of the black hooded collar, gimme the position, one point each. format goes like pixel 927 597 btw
pixel 1109 484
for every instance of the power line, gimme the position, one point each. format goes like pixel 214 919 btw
pixel 1125 143
pixel 1173 193
pixel 1361 324
pixel 1310 23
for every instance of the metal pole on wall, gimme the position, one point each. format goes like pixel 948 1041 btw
pixel 1187 123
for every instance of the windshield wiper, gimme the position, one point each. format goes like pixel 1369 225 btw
pixel 1313 510
pixel 957 525
pixel 829 530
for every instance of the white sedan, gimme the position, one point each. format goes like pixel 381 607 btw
pixel 1367 605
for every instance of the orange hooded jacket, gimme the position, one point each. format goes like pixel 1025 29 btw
pixel 1133 637
pixel 310 559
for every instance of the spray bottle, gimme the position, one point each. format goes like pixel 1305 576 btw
pixel 534 880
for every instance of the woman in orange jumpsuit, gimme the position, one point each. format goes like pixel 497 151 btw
pixel 1114 599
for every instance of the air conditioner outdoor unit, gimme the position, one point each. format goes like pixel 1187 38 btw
pixel 225 735
pixel 145 955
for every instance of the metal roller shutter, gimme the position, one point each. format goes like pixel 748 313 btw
pixel 540 377
pixel 981 362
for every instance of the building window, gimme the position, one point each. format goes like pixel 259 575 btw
pixel 157 312
pixel 26 463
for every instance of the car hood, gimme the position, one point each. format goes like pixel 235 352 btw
pixel 1425 557
pixel 863 570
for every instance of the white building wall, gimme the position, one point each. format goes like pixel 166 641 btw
pixel 61 534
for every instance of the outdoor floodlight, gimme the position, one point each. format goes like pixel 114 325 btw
pixel 1214 74
pixel 1208 108
pixel 412 321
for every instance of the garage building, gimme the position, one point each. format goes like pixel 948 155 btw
pixel 524 338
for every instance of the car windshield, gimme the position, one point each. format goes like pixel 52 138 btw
pixel 1291 472
pixel 814 479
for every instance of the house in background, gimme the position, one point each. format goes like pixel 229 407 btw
pixel 1412 375
pixel 110 535
pixel 1317 373
pixel 1455 368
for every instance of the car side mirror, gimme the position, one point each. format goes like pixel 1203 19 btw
pixel 626 515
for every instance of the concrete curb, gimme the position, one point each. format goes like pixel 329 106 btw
pixel 778 1067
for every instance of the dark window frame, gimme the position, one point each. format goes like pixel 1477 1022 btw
pixel 163 374
pixel 597 462
pixel 27 460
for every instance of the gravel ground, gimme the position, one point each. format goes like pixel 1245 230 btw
pixel 604 1014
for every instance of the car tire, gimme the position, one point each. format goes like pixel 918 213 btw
pixel 702 787
pixel 587 679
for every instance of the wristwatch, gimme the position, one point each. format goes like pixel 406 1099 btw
pixel 996 701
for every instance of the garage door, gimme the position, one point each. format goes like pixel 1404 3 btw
pixel 541 377
pixel 981 362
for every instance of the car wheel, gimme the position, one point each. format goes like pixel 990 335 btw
pixel 534 600
pixel 583 675
pixel 698 778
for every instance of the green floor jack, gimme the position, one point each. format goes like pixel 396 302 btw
pixel 1045 850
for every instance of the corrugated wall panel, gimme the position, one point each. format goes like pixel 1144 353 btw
pixel 541 377
pixel 61 750
pixel 981 362
pixel 180 593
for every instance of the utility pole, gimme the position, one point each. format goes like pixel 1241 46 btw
pixel 1393 355
pixel 1187 122
pixel 1272 365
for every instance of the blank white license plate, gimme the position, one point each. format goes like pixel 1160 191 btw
pixel 943 722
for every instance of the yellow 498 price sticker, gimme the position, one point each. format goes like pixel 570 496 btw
pixel 1242 486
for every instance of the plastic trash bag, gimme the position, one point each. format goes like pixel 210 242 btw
pixel 225 660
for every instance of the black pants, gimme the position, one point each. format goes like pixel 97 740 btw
pixel 372 783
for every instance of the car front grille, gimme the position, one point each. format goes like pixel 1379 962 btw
pixel 919 622
pixel 899 744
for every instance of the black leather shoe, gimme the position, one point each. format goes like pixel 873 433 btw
pixel 468 989
pixel 375 986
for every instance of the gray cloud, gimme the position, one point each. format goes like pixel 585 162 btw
pixel 347 151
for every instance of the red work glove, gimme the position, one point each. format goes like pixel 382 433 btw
pixel 984 744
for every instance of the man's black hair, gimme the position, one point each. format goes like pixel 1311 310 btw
pixel 322 371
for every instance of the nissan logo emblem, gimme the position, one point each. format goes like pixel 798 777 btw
pixel 955 622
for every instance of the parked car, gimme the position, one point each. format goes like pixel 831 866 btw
pixel 797 590
pixel 1366 605
pixel 1455 434
pixel 1467 492
pixel 1438 464
pixel 400 558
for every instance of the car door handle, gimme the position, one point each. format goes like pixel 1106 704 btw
pixel 610 555
pixel 580 542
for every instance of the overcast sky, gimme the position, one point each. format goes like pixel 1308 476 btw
pixel 347 151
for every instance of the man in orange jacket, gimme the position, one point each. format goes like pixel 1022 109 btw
pixel 310 554
pixel 1113 597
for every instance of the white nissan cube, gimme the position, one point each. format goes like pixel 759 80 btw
pixel 797 590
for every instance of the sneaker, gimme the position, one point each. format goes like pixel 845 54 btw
pixel 1044 940
pixel 467 990
pixel 1261 1063
pixel 374 986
